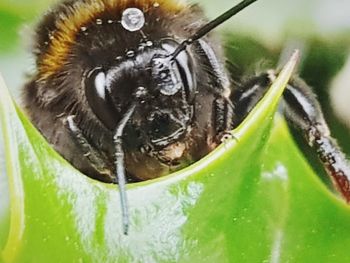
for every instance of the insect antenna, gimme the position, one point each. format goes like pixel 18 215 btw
pixel 120 167
pixel 211 25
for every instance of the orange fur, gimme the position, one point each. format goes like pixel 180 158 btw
pixel 82 13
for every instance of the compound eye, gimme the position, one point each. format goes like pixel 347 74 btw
pixel 99 99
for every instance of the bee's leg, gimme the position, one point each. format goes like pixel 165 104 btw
pixel 248 95
pixel 94 158
pixel 223 116
pixel 303 111
pixel 229 113
pixel 223 109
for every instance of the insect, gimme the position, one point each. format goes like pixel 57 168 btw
pixel 132 90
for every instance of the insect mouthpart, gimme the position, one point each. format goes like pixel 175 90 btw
pixel 164 128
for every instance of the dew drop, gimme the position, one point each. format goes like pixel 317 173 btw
pixel 156 4
pixel 149 43
pixel 130 53
pixel 83 28
pixel 99 21
pixel 141 47
pixel 110 21
pixel 133 19
pixel 51 37
pixel 141 92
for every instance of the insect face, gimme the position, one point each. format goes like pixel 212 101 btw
pixel 162 87
pixel 162 90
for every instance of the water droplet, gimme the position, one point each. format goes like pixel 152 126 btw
pixel 51 37
pixel 110 21
pixel 149 43
pixel 130 53
pixel 83 28
pixel 141 47
pixel 156 4
pixel 99 21
pixel 133 19
pixel 141 92
pixel 119 58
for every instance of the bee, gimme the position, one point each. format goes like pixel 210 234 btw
pixel 130 90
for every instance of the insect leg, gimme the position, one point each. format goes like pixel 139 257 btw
pixel 223 109
pixel 223 116
pixel 89 152
pixel 248 95
pixel 304 112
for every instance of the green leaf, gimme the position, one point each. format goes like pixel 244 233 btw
pixel 254 199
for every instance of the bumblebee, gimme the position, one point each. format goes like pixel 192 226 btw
pixel 130 90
